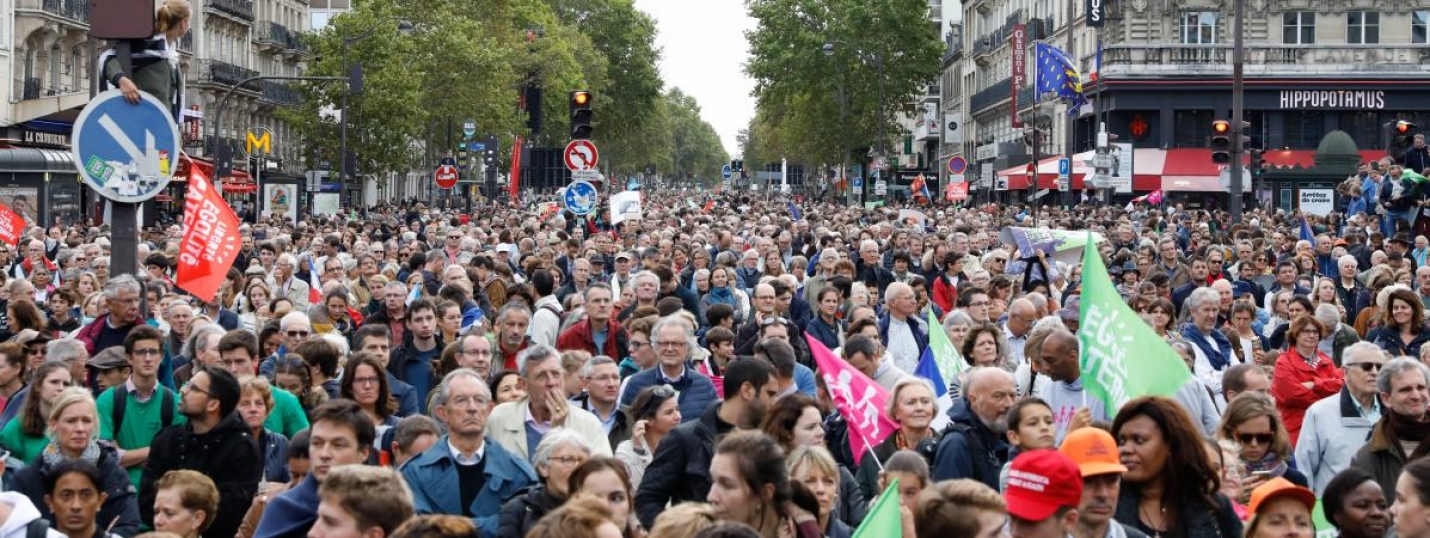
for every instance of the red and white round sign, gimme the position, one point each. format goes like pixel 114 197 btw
pixel 580 155
pixel 446 176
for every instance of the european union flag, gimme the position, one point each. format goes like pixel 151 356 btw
pixel 1058 74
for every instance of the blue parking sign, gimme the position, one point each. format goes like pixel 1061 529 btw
pixel 126 152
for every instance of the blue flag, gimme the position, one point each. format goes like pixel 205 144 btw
pixel 793 211
pixel 1306 234
pixel 1058 74
pixel 928 369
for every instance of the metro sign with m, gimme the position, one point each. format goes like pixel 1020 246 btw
pixel 261 139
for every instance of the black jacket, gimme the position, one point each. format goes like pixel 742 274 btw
pixel 227 454
pixel 679 470
pixel 620 431
pixel 522 512
pixel 121 508
pixel 1194 521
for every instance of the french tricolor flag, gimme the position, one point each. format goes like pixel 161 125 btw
pixel 315 289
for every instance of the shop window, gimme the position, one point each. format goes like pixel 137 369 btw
pixel 1420 27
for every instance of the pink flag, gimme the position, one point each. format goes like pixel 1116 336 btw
pixel 858 398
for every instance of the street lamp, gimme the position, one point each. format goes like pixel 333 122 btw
pixel 878 62
pixel 355 87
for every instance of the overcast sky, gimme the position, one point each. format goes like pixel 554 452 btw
pixel 703 53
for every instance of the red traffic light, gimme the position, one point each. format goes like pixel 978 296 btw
pixel 580 98
pixel 1221 126
pixel 1402 126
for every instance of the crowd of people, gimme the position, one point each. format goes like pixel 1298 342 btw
pixel 407 371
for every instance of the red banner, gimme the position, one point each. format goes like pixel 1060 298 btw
pixel 1019 48
pixel 515 188
pixel 210 241
pixel 12 225
pixel 957 191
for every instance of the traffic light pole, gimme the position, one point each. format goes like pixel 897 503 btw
pixel 1237 112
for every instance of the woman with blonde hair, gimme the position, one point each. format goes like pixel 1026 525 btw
pixel 814 467
pixel 185 503
pixel 683 520
pixel 1253 423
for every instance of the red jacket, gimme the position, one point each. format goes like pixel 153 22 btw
pixel 945 294
pixel 579 337
pixel 1292 398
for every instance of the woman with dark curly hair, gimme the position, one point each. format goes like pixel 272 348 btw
pixel 1170 487
pixel 985 345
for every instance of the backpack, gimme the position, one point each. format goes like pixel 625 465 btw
pixel 560 316
pixel 977 449
pixel 39 528
pixel 121 399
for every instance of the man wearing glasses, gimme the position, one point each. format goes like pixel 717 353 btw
pixel 121 295
pixel 295 328
pixel 214 441
pixel 1336 427
pixel 673 340
pixel 131 414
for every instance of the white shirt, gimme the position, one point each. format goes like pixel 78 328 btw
pixel 463 460
pixel 902 346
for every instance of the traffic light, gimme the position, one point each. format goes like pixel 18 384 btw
pixel 1399 136
pixel 581 115
pixel 1221 142
pixel 1257 164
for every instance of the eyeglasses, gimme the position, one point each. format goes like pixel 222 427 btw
pixel 35 351
pixel 146 353
pixel 297 334
pixel 1367 366
pixel 634 345
pixel 477 352
pixel 365 380
pixel 191 387
pixel 569 461
pixel 671 344
pixel 773 320
pixel 1255 438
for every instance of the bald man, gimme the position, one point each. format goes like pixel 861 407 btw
pixel 1072 406
pixel 1022 314
pixel 974 446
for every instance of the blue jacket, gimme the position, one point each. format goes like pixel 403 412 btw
pixel 405 395
pixel 696 391
pixel 968 449
pixel 432 476
pixel 916 324
pixel 826 334
pixel 292 513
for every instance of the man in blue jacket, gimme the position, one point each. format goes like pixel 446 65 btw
pixel 674 341
pixel 462 474
pixel 341 434
pixel 973 446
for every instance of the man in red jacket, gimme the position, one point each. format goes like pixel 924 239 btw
pixel 598 334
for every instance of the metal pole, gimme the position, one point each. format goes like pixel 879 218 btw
pixel 844 148
pixel 125 216
pixel 1236 111
pixel 343 121
pixel 883 141
pixel 1070 143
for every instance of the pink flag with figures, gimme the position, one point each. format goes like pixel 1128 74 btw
pixel 858 398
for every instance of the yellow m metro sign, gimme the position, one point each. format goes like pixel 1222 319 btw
pixel 263 141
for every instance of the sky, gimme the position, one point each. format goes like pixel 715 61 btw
pixel 703 52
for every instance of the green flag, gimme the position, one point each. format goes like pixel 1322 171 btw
pixel 946 356
pixel 1324 529
pixel 1121 356
pixel 1408 173
pixel 883 520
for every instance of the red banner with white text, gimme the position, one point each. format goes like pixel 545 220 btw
pixel 12 225
pixel 211 240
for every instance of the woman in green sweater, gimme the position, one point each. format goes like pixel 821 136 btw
pixel 25 436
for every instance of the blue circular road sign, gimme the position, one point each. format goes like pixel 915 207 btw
pixel 126 152
pixel 581 198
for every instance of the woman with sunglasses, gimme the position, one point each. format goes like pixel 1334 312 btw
pixel 25 436
pixel 654 412
pixel 1252 422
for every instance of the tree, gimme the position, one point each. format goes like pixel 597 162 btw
pixel 696 151
pixel 886 47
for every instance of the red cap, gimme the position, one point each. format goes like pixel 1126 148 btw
pixel 1040 482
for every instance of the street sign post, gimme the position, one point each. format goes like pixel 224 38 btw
pixel 1064 167
pixel 469 128
pixel 581 198
pixel 726 172
pixel 445 176
pixel 125 152
pixel 957 165
pixel 580 155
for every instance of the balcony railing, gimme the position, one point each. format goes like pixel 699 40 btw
pixel 239 9
pixel 226 74
pixel 32 88
pixel 70 9
pixel 296 42
pixel 271 33
pixel 281 93
pixel 1152 59
pixel 999 91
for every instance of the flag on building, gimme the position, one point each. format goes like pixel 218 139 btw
pixel 1058 74
pixel 857 397
pixel 1121 357
pixel 883 520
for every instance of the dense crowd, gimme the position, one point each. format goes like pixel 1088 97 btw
pixel 511 373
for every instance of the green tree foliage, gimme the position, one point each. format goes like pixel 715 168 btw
pixel 696 151
pixel 799 87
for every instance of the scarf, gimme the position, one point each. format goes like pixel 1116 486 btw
pixel 53 456
pixel 722 295
pixel 1268 463
pixel 1405 428
pixel 1220 356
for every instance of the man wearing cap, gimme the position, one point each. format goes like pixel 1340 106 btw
pixel 111 367
pixel 622 272
pixel 1095 453
pixel 1043 494
pixel 1400 244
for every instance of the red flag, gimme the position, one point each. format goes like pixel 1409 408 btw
pixel 709 205
pixel 210 241
pixel 858 398
pixel 12 225
pixel 515 188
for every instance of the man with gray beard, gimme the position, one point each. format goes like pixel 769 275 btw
pixel 973 445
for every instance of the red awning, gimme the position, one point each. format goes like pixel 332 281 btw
pixel 205 166
pixel 1180 169
pixel 239 186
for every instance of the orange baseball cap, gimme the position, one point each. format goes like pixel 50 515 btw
pixel 1279 487
pixel 1093 450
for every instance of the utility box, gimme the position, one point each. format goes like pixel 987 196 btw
pixel 122 19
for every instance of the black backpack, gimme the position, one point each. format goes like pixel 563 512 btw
pixel 121 399
pixel 39 528
pixel 977 448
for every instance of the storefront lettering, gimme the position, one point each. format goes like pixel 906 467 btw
pixel 39 138
pixel 1335 99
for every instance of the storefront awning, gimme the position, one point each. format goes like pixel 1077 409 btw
pixel 22 159
pixel 205 166
pixel 1179 169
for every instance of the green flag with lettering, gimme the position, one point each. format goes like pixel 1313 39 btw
pixel 945 355
pixel 1121 356
pixel 883 520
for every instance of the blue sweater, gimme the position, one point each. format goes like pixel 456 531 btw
pixel 696 391
pixel 292 512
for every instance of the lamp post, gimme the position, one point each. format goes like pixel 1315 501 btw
pixel 878 62
pixel 355 87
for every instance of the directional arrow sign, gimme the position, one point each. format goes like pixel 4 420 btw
pixel 125 152
pixel 580 155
